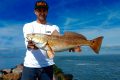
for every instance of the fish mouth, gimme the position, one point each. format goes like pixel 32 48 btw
pixel 28 38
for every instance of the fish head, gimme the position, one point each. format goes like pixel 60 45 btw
pixel 29 37
pixel 36 38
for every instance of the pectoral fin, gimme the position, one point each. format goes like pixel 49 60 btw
pixel 41 45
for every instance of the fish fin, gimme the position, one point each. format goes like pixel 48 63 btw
pixel 73 34
pixel 50 52
pixel 44 44
pixel 95 44
pixel 56 33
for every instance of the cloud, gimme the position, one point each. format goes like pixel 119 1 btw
pixel 11 35
pixel 111 35
pixel 114 15
pixel 70 20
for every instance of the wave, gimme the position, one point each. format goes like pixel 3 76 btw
pixel 84 64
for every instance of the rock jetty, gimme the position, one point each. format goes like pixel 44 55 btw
pixel 16 72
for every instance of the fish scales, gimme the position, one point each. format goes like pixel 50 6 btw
pixel 64 42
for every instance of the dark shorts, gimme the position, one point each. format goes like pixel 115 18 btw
pixel 45 73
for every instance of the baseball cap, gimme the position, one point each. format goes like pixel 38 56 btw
pixel 41 4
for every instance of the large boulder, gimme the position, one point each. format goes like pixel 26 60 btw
pixel 11 74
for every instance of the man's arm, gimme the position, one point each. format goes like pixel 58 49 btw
pixel 27 29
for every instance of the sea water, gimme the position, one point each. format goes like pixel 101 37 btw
pixel 83 66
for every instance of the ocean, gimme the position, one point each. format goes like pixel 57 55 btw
pixel 83 66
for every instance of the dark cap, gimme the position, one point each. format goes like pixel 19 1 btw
pixel 41 4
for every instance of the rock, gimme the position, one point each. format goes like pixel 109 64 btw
pixel 68 76
pixel 15 73
pixel 6 71
pixel 18 69
pixel 11 74
pixel 0 75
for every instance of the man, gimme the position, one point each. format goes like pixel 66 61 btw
pixel 37 65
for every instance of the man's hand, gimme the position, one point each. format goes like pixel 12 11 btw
pixel 31 45
pixel 75 49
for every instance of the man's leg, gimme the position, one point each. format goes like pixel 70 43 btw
pixel 46 74
pixel 28 74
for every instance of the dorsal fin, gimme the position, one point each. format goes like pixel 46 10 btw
pixel 56 33
pixel 73 34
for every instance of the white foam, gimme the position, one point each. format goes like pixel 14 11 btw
pixel 82 64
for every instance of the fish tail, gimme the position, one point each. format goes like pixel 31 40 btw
pixel 95 44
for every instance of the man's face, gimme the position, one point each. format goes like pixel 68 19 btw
pixel 41 14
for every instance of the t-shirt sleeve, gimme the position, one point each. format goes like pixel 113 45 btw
pixel 27 29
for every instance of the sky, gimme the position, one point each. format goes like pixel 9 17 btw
pixel 91 18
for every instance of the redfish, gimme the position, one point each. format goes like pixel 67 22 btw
pixel 55 43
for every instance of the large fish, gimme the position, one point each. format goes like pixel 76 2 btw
pixel 56 42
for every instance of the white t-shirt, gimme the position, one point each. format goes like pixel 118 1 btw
pixel 37 58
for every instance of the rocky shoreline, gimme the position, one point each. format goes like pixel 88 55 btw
pixel 15 73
